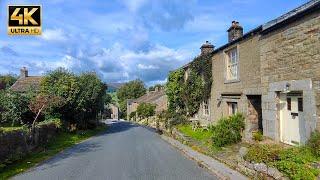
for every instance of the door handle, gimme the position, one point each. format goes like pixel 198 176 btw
pixel 294 114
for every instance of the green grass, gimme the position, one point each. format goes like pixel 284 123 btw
pixel 56 145
pixel 199 134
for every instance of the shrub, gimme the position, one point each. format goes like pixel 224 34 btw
pixel 145 110
pixel 314 143
pixel 132 115
pixel 263 153
pixel 228 130
pixel 296 171
pixel 12 107
pixel 56 122
pixel 257 136
pixel 294 162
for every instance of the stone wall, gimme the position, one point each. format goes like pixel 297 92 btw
pixel 17 143
pixel 291 54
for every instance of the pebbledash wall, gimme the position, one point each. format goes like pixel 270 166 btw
pixel 290 56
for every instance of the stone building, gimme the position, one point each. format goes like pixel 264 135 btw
pixel 26 82
pixel 290 76
pixel 114 111
pixel 236 77
pixel 204 113
pixel 157 97
pixel 271 75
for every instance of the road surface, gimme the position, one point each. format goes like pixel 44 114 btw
pixel 124 151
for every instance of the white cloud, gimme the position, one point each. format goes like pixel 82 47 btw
pixel 54 35
pixel 134 5
pixel 143 66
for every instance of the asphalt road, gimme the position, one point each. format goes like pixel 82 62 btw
pixel 124 151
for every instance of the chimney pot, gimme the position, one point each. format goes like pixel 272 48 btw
pixel 235 31
pixel 206 48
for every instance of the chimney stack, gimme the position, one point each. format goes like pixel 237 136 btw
pixel 206 48
pixel 23 72
pixel 235 31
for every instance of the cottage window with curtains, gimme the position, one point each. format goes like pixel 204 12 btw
pixel 232 65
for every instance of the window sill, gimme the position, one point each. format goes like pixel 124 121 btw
pixel 231 81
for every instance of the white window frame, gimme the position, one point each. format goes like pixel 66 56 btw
pixel 206 110
pixel 230 108
pixel 232 65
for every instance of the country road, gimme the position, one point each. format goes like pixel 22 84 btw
pixel 124 151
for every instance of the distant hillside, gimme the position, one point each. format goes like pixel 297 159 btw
pixel 113 87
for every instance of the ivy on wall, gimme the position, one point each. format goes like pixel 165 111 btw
pixel 186 95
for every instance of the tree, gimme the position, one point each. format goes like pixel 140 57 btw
pixel 152 88
pixel 7 81
pixel 84 96
pixel 145 110
pixel 175 90
pixel 63 84
pixel 108 99
pixel 42 103
pixel 91 98
pixel 12 106
pixel 130 90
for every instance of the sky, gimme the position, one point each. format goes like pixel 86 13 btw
pixel 123 40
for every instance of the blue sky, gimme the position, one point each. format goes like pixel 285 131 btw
pixel 124 40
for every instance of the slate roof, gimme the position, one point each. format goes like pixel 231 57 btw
pixel 313 5
pixel 150 97
pixel 23 84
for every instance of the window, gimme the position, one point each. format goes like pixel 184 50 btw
pixel 232 64
pixel 300 104
pixel 206 107
pixel 289 104
pixel 233 108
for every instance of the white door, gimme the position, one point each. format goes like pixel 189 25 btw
pixel 291 118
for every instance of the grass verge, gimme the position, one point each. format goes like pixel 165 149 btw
pixel 56 145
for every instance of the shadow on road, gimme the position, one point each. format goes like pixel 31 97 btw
pixel 73 152
pixel 119 126
pixel 88 146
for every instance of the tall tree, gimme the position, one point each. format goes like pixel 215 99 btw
pixel 130 90
pixel 7 80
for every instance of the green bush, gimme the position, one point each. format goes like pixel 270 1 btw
pixel 295 162
pixel 132 115
pixel 263 153
pixel 146 110
pixel 257 136
pixel 228 130
pixel 297 171
pixel 314 143
pixel 12 107
pixel 56 122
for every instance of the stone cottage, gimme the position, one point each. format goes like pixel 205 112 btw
pixel 290 74
pixel 236 77
pixel 114 111
pixel 26 82
pixel 271 75
pixel 157 97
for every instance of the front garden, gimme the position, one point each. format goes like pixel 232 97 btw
pixel 260 158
